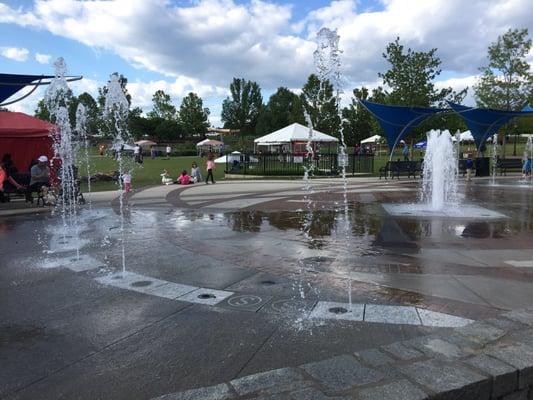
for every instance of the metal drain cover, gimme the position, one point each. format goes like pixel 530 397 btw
pixel 338 310
pixel 207 296
pixel 141 283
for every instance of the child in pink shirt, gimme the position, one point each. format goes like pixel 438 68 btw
pixel 210 168
pixel 184 179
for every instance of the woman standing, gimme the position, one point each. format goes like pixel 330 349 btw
pixel 210 168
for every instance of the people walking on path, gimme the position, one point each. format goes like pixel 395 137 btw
pixel 210 169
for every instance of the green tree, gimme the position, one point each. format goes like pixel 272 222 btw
pixel 241 109
pixel 193 117
pixel 163 107
pixel 358 123
pixel 411 76
pixel 283 108
pixel 506 82
pixel 319 101
pixel 42 111
pixel 168 130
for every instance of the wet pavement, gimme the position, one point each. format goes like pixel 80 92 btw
pixel 236 278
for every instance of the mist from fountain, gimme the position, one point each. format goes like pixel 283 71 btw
pixel 57 97
pixel 81 130
pixel 117 111
pixel 439 185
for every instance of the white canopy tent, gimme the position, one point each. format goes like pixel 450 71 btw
pixel 372 139
pixel 291 136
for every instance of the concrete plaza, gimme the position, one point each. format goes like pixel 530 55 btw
pixel 237 278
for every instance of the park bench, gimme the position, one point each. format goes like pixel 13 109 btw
pixel 397 168
pixel 508 164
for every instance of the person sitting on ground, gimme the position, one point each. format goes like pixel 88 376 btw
pixel 184 179
pixel 165 178
pixel 196 175
pixel 40 176
pixel 49 197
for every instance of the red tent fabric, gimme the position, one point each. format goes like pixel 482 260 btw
pixel 25 138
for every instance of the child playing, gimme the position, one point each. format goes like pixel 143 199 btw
pixel 165 178
pixel 126 179
pixel 196 175
pixel 210 168
pixel 184 179
pixel 469 167
pixel 526 167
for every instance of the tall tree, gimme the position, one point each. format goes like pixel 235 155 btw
pixel 194 118
pixel 241 109
pixel 283 108
pixel 411 76
pixel 42 111
pixel 163 107
pixel 506 82
pixel 358 123
pixel 320 103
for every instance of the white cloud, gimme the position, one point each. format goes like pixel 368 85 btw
pixel 42 58
pixel 14 53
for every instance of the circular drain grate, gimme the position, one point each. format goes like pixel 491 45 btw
pixel 141 283
pixel 206 296
pixel 338 310
pixel 268 282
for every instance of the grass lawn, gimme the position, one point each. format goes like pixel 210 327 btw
pixel 148 174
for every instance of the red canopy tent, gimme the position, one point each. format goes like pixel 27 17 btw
pixel 25 138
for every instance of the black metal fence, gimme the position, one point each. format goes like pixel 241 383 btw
pixel 293 165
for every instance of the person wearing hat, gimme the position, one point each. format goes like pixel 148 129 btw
pixel 40 176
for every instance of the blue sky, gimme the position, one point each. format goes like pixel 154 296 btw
pixel 200 45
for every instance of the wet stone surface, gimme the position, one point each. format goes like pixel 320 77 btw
pixel 224 292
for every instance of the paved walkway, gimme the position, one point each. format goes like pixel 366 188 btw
pixel 227 280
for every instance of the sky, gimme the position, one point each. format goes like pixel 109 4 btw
pixel 181 46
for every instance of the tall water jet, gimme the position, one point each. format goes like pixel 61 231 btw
pixel 117 111
pixel 439 185
pixel 57 98
pixel 81 130
pixel 494 157
pixel 328 64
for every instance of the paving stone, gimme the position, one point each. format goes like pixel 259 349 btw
pixel 265 380
pixel 342 373
pixel 402 352
pixel 505 324
pixel 217 392
pixel 402 389
pixel 374 357
pixel 520 395
pixel 504 377
pixel 524 336
pixel 523 316
pixel 391 314
pixel 433 318
pixel 314 394
pixel 437 347
pixel 450 380
pixel 481 332
pixel 519 356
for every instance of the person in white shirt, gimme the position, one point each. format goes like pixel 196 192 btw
pixel 168 151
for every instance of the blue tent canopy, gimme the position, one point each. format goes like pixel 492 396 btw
pixel 12 83
pixel 398 121
pixel 485 122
